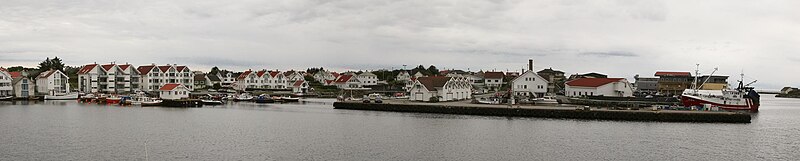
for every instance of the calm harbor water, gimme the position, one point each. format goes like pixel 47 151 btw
pixel 66 130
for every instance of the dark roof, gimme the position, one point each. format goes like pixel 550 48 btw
pixel 672 74
pixel 108 66
pixel 143 70
pixel 200 77
pixel 213 77
pixel 493 75
pixel 549 70
pixel 431 83
pixel 343 78
pixel 47 73
pixel 243 75
pixel 592 82
pixel 86 68
pixel 298 83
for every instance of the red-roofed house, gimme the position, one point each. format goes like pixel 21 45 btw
pixel 347 81
pixel 493 80
pixel 614 87
pixel 173 91
pixel 300 86
pixel 153 77
pixel 445 88
pixel 5 83
pixel 23 86
pixel 109 78
pixel 248 79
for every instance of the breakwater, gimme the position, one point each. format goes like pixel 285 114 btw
pixel 593 114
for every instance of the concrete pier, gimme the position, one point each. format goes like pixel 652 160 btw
pixel 550 112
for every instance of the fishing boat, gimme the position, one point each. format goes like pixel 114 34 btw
pixel 742 98
pixel 484 100
pixel 70 96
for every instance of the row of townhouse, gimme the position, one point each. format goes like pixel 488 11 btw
pixel 125 78
pixel 17 84
pixel 347 79
pixel 264 79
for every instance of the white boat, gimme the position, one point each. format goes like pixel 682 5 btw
pixel 289 99
pixel 485 100
pixel 142 100
pixel 546 100
pixel 212 102
pixel 244 97
pixel 5 98
pixel 70 96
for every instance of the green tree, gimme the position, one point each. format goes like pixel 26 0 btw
pixel 45 65
pixel 432 70
pixel 56 64
pixel 214 70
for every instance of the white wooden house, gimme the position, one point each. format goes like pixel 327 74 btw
pixel 52 82
pixel 174 91
pixel 529 84
pixel 6 89
pixel 493 80
pixel 367 79
pixel 445 88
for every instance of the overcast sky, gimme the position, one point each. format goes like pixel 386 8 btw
pixel 620 38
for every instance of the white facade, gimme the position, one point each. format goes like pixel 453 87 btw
pixel 264 80
pixel 367 79
pixel 529 84
pixel 403 76
pixel 445 88
pixel 620 88
pixel 52 82
pixel 6 89
pixel 174 92
pixel 347 81
pixel 300 86
pixel 322 75
pixel 108 78
pixel 154 77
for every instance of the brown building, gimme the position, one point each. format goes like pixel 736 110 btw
pixel 673 83
pixel 555 79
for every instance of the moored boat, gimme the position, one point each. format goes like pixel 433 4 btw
pixel 212 102
pixel 264 99
pixel 244 97
pixel 70 96
pixel 742 98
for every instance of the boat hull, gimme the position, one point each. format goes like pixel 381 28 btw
pixel 693 101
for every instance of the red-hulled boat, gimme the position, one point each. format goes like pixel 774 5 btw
pixel 743 98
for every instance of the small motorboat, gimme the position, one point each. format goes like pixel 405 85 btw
pixel 289 99
pixel 244 97
pixel 264 99
pixel 212 102
pixel 70 96
pixel 484 100
pixel 143 100
pixel 546 100
pixel 6 98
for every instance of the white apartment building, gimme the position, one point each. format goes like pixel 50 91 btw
pixel 153 77
pixel 108 78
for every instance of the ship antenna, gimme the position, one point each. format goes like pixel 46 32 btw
pixel 697 72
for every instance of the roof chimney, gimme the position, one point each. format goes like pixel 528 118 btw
pixel 530 64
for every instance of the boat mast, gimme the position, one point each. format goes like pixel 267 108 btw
pixel 709 77
pixel 697 72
